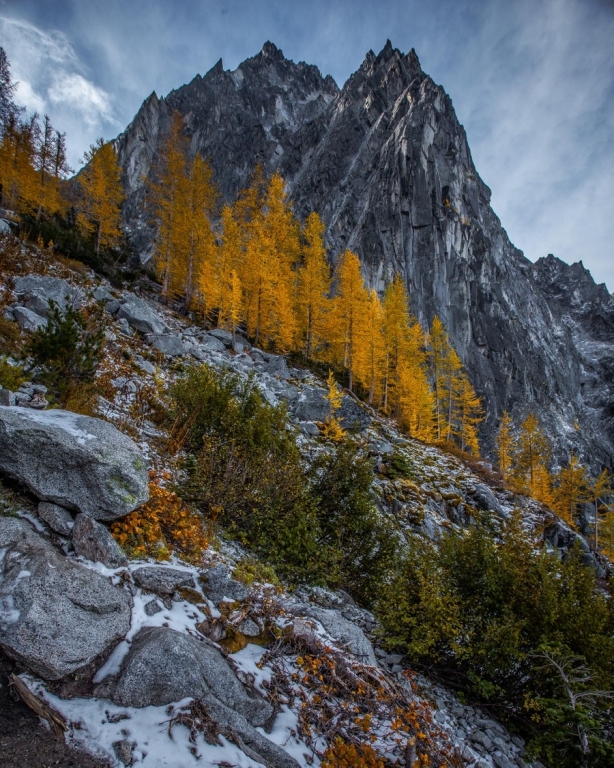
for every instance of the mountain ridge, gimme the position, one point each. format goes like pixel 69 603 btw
pixel 387 165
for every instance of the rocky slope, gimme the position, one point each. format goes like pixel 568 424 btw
pixel 386 163
pixel 125 647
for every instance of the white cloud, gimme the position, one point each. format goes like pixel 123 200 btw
pixel 75 92
pixel 28 98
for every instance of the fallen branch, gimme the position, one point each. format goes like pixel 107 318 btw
pixel 38 706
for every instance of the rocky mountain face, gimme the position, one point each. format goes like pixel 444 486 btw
pixel 387 165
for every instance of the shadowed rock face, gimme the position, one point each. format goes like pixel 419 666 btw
pixel 386 163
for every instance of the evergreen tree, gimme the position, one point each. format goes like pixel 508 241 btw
pixel 9 111
pixel 68 349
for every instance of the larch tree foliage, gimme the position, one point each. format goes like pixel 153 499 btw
pixel 166 197
pixel 600 488
pixel 19 151
pixel 226 290
pixel 395 331
pixel 101 196
pixel 457 408
pixel 32 158
pixel 530 471
pixel 444 366
pixel 416 397
pixel 370 356
pixel 451 386
pixel 572 489
pixel 606 517
pixel 350 303
pixel 506 445
pixel 258 267
pixel 197 198
pixel 281 244
pixel 10 123
pixel 48 197
pixel 406 391
pixel 313 283
pixel 469 414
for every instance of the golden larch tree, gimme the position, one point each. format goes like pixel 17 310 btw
pixel 370 355
pixel 439 349
pixel 416 394
pixel 313 281
pixel 599 488
pixel 396 330
pixel 572 489
pixel 532 458
pixel 196 256
pixel 506 445
pixel 350 303
pixel 225 281
pixel 167 192
pixel 469 414
pixel 101 195
pixel 282 237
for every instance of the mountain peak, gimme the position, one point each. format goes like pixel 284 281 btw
pixel 216 69
pixel 271 51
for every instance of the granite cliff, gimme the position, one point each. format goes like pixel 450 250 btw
pixel 386 163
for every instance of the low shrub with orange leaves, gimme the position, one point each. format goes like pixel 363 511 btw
pixel 367 719
pixel 342 755
pixel 162 527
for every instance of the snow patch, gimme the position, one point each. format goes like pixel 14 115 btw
pixel 69 422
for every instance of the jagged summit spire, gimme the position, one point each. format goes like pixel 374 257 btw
pixel 216 69
pixel 271 51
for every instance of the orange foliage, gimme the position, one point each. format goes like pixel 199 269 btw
pixel 161 527
pixel 342 755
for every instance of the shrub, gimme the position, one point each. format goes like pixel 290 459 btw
pixel 251 571
pixel 162 527
pixel 484 607
pixel 342 755
pixel 11 376
pixel 9 335
pixel 68 349
pixel 398 466
pixel 243 468
pixel 356 542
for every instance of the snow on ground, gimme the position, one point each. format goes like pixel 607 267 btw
pixel 96 724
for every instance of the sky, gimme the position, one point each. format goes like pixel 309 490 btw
pixel 532 81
